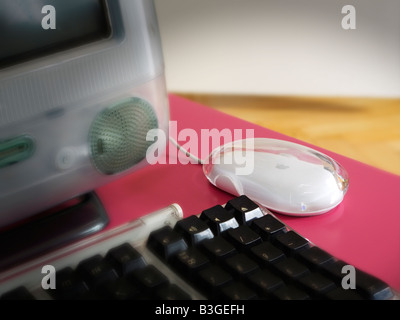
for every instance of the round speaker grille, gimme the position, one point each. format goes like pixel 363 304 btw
pixel 117 136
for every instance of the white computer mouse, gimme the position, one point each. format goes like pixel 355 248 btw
pixel 283 176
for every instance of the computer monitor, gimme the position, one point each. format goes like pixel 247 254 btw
pixel 81 84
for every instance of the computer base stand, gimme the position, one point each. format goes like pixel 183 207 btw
pixel 52 229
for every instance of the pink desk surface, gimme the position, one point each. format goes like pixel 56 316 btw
pixel 364 230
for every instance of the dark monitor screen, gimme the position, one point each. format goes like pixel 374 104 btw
pixel 30 28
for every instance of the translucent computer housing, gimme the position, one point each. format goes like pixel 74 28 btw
pixel 75 115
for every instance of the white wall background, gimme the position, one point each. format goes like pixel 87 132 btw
pixel 289 47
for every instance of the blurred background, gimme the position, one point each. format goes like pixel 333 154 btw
pixel 290 66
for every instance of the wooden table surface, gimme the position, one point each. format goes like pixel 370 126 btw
pixel 364 129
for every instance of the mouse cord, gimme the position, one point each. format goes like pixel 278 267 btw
pixel 187 153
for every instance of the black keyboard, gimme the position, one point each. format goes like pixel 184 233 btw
pixel 236 252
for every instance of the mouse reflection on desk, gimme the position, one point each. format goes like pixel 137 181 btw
pixel 282 176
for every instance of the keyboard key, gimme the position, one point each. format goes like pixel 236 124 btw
pixel 244 209
pixel 291 269
pixel 212 279
pixel 268 226
pixel 165 243
pixel 264 282
pixel 366 285
pixel 315 257
pixel 291 242
pixel 171 292
pixel 316 284
pixel 149 277
pixel 193 230
pixel 342 294
pixel 218 248
pixel 371 287
pixel 121 289
pixel 125 259
pixel 334 270
pixel 219 219
pixel 241 265
pixel 243 237
pixel 96 271
pixel 20 293
pixel 291 293
pixel 69 285
pixel 237 291
pixel 267 254
pixel 189 262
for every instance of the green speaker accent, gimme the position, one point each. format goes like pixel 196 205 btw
pixel 117 136
pixel 16 150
